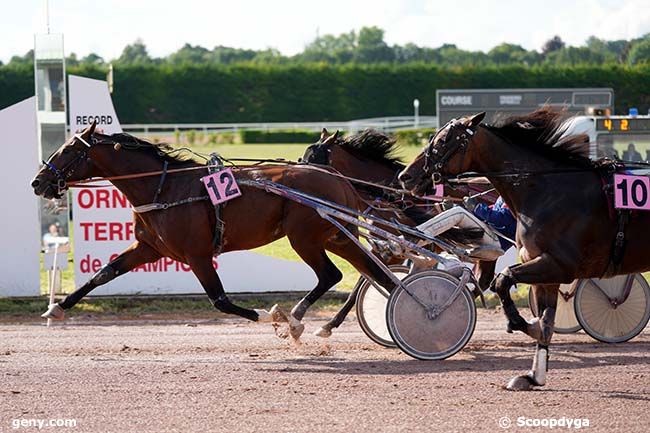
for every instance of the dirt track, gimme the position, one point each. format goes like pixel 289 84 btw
pixel 235 376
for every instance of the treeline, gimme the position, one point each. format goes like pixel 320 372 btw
pixel 318 92
pixel 367 46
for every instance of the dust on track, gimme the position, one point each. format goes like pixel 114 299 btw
pixel 228 375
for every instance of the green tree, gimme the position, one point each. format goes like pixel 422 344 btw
pixel 27 58
pixel 330 48
pixel 574 56
pixel 553 44
pixel 371 47
pixel 72 60
pixel 451 55
pixel 93 59
pixel 228 55
pixel 135 53
pixel 189 54
pixel 639 53
pixel 506 54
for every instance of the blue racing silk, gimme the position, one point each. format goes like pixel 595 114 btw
pixel 499 217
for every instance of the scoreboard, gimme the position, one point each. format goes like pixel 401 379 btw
pixel 623 124
pixel 624 137
pixel 455 103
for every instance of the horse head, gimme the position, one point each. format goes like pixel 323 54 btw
pixel 319 152
pixel 70 162
pixel 448 153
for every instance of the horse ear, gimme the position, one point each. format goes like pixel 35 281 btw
pixel 476 119
pixel 90 130
pixel 332 138
pixel 323 134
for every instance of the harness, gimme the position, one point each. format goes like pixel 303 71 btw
pixel 215 164
pixel 606 170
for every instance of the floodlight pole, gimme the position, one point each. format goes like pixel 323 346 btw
pixel 47 16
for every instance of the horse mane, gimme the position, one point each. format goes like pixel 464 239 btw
pixel 544 131
pixel 163 151
pixel 374 145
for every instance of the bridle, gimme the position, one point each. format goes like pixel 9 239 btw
pixel 318 153
pixel 435 158
pixel 64 173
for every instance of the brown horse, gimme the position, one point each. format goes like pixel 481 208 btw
pixel 371 156
pixel 564 228
pixel 186 232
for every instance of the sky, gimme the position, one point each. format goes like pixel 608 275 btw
pixel 106 26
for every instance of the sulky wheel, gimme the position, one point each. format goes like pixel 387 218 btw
pixel 565 316
pixel 430 319
pixel 604 312
pixel 371 307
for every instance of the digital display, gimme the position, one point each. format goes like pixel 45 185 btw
pixel 631 124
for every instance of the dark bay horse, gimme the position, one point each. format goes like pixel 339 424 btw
pixel 186 232
pixel 372 156
pixel 564 228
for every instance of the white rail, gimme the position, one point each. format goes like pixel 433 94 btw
pixel 386 124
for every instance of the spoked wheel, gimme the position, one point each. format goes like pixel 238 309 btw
pixel 431 333
pixel 601 317
pixel 371 307
pixel 565 316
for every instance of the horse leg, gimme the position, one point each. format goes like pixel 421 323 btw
pixel 209 279
pixel 366 266
pixel 546 298
pixel 538 271
pixel 485 273
pixel 137 254
pixel 325 331
pixel 326 272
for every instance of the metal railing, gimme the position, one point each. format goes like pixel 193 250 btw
pixel 386 124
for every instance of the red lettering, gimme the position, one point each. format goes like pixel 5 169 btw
pixel 85 198
pixel 107 231
pixel 88 265
pixel 86 228
pixel 102 197
pixel 84 264
pixel 119 199
pixel 115 231
pixel 100 231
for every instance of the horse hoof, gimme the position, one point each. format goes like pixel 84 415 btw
pixel 296 328
pixel 277 315
pixel 520 383
pixel 55 312
pixel 323 332
pixel 264 316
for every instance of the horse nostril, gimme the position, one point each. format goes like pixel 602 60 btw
pixel 35 183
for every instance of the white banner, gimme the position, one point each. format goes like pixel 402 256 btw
pixel 19 261
pixel 103 227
